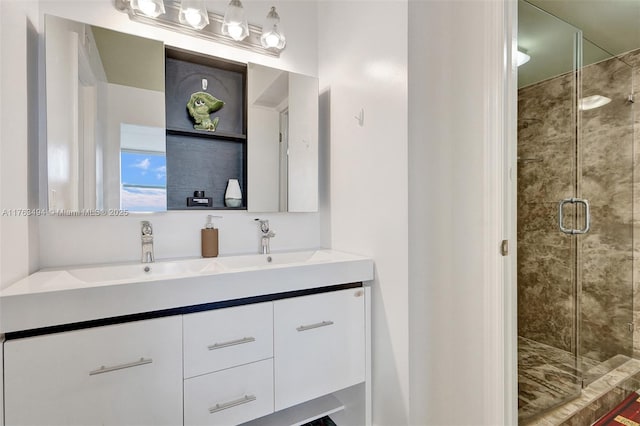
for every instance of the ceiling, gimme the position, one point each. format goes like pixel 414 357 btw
pixel 130 60
pixel 546 30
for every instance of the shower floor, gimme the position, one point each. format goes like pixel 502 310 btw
pixel 548 379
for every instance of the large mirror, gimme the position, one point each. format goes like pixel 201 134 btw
pixel 282 140
pixel 105 119
pixel 106 130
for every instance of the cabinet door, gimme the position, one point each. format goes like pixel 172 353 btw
pixel 126 374
pixel 319 345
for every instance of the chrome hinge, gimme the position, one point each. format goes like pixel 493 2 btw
pixel 504 247
pixel 630 98
pixel 280 140
pixel 631 326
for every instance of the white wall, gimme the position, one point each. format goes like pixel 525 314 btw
pixel 421 188
pixel 19 134
pixel 72 240
pixel 462 304
pixel 362 64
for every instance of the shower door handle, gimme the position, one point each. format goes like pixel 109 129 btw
pixel 587 216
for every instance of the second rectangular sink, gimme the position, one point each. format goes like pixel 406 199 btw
pixel 266 260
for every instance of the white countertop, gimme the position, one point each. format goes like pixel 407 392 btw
pixel 64 296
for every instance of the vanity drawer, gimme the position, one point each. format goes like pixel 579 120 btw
pixel 319 343
pixel 215 340
pixel 231 396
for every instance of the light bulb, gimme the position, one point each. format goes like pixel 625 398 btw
pixel 194 13
pixel 272 37
pixel 235 31
pixel 193 17
pixel 235 23
pixel 152 8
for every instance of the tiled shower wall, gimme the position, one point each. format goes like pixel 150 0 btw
pixel 546 145
pixel 548 172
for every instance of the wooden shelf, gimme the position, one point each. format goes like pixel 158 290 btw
pixel 301 413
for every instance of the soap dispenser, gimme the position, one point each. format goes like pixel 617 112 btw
pixel 209 238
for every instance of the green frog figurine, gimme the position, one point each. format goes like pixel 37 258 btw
pixel 200 106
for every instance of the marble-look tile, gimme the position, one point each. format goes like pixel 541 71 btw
pixel 595 400
pixel 547 377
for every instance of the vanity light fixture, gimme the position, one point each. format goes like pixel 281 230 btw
pixel 235 22
pixel 521 58
pixel 190 17
pixel 194 13
pixel 592 102
pixel 272 36
pixel 151 8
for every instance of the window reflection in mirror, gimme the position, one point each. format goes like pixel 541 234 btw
pixel 143 168
pixel 98 81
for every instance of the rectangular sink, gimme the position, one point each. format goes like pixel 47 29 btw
pixel 268 260
pixel 144 271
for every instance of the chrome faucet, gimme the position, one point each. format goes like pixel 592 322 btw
pixel 266 236
pixel 147 242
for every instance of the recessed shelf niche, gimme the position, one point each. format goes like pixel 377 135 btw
pixel 200 160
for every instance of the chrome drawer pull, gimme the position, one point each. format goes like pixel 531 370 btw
pixel 104 369
pixel 231 343
pixel 244 400
pixel 312 326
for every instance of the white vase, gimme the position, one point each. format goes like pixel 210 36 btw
pixel 233 195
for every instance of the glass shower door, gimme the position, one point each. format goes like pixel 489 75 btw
pixel 548 290
pixel 605 178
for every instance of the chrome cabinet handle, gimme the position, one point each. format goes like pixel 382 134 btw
pixel 231 343
pixel 104 369
pixel 587 210
pixel 244 400
pixel 312 326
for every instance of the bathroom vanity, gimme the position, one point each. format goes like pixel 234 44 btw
pixel 277 339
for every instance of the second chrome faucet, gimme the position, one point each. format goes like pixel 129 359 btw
pixel 266 236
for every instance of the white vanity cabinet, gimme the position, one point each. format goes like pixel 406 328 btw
pixel 283 360
pixel 125 374
pixel 319 345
